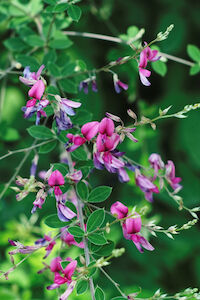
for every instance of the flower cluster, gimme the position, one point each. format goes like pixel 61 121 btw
pixel 146 183
pixel 146 55
pixel 131 225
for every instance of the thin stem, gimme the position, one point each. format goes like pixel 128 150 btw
pixel 17 171
pixel 113 282
pixel 120 41
pixel 81 219
pixel 25 149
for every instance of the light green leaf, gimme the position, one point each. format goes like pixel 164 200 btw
pixel 46 148
pixel 54 222
pixel 194 52
pixel 60 43
pixel 195 69
pixel 159 67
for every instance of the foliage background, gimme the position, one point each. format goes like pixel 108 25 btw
pixel 174 265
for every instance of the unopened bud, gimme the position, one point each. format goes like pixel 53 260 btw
pixel 118 252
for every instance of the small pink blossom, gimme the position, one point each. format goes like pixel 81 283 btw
pixel 147 186
pixel 106 126
pixel 89 130
pixel 171 178
pixel 37 90
pixel 119 209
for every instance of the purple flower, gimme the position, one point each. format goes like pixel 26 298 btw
pixel 68 239
pixel 39 201
pixel 146 186
pixel 63 122
pixel 84 85
pixel 30 78
pixel 119 85
pixel 35 108
pixel 156 162
pixel 171 178
pixel 64 213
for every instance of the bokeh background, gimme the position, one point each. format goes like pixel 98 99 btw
pixel 175 264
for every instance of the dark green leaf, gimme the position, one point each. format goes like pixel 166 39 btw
pixel 79 154
pixel 15 44
pixel 105 250
pixel 34 41
pixel 63 168
pixel 74 12
pixel 118 298
pixel 40 132
pixel 82 286
pixel 99 294
pixel 53 69
pixel 97 239
pixel 30 61
pixel 76 231
pixel 46 148
pixel 99 194
pixel 82 116
pixel 50 56
pixel 95 219
pixel 69 86
pixel 68 69
pixel 82 190
pixel 54 222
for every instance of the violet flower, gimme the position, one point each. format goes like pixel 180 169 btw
pixel 119 85
pixel 156 163
pixel 63 122
pixel 146 186
pixel 39 201
pixel 171 178
pixel 84 85
pixel 75 140
pixel 68 239
pixel 30 78
pixel 50 244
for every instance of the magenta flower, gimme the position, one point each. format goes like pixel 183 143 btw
pixel 68 239
pixel 20 248
pixel 64 213
pixel 156 162
pixel 33 107
pixel 106 126
pixel 146 186
pixel 89 130
pixel 171 178
pixel 55 180
pixel 39 201
pixel 76 176
pixel 119 209
pixel 146 55
pixel 131 228
pixel 66 274
pixel 107 143
pixel 84 85
pixel 37 90
pixel 75 140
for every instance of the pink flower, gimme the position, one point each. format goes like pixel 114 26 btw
pixel 146 55
pixel 89 130
pixel 156 162
pixel 118 84
pixel 107 143
pixel 76 140
pixel 106 126
pixel 170 176
pixel 67 238
pixel 30 78
pixel 66 274
pixel 131 228
pixel 76 176
pixel 56 179
pixel 146 186
pixel 119 209
pixel 64 213
pixel 37 90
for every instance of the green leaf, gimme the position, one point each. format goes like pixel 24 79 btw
pixel 69 86
pixel 195 69
pixel 79 154
pixel 9 135
pixel 54 222
pixel 53 69
pixel 15 44
pixel 68 69
pixel 50 56
pixel 159 67
pixel 61 7
pixel 61 43
pixel 118 298
pixel 34 41
pixel 99 194
pixel 95 220
pixel 76 231
pixel 40 132
pixel 99 294
pixel 46 148
pixel 30 61
pixel 193 52
pixel 82 286
pixel 105 250
pixel 63 168
pixel 132 31
pixel 81 117
pixel 74 12
pixel 82 190
pixel 97 239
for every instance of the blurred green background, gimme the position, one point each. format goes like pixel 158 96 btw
pixel 174 265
